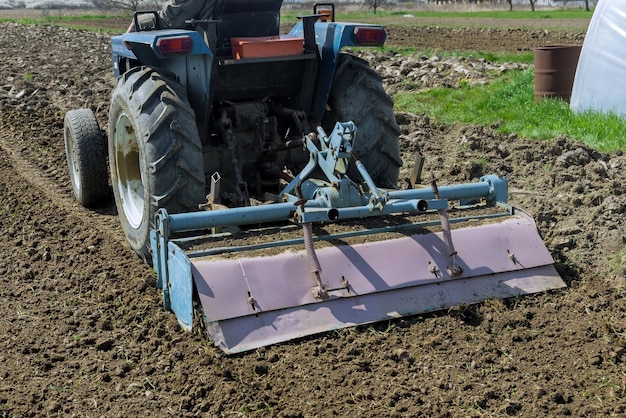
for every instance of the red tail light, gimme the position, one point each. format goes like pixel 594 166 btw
pixel 374 36
pixel 176 45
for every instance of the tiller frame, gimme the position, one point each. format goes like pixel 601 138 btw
pixel 250 302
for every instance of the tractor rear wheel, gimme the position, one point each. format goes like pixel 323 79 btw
pixel 85 151
pixel 155 153
pixel 358 95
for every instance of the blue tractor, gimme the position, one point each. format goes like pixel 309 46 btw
pixel 233 97
pixel 218 150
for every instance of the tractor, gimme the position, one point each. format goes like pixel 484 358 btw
pixel 234 150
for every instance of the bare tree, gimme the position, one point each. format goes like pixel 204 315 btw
pixel 564 3
pixel 132 5
pixel 532 4
pixel 17 4
pixel 510 5
pixel 594 2
pixel 374 4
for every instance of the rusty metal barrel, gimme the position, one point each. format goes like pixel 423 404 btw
pixel 555 67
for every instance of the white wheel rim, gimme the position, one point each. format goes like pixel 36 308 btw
pixel 128 168
pixel 72 155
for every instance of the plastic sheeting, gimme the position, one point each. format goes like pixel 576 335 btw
pixel 600 80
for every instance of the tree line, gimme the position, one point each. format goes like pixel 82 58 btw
pixel 371 4
pixel 134 5
pixel 587 4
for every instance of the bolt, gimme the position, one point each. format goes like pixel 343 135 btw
pixel 512 257
pixel 433 269
pixel 319 293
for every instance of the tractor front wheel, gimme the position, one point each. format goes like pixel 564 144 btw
pixel 155 153
pixel 85 151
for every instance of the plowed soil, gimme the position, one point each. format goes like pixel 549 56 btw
pixel 83 331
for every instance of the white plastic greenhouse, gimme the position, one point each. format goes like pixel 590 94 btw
pixel 600 80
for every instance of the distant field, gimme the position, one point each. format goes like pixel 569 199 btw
pixel 553 19
pixel 549 19
pixel 45 13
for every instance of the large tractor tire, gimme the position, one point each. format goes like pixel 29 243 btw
pixel 86 154
pixel 358 95
pixel 155 154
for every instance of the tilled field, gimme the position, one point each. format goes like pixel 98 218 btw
pixel 83 331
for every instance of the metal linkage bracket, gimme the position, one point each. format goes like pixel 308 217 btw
pixel 173 271
pixel 332 154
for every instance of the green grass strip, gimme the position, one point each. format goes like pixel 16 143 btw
pixel 509 103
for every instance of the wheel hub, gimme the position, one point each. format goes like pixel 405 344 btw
pixel 128 167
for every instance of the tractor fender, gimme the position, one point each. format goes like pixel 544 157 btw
pixel 144 48
pixel 330 38
pixel 193 69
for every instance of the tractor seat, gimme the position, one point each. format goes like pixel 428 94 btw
pixel 244 19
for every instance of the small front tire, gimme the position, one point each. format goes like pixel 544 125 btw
pixel 86 151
